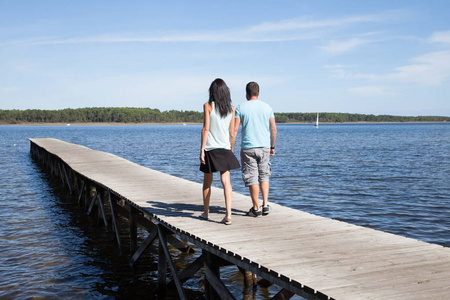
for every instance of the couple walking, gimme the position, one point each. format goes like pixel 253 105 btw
pixel 220 126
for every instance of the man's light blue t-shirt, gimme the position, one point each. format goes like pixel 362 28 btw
pixel 255 115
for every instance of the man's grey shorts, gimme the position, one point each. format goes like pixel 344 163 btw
pixel 255 164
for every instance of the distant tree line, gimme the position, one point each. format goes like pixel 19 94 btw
pixel 148 115
pixel 346 117
pixel 99 115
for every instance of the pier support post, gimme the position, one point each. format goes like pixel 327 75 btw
pixel 115 221
pixel 283 295
pixel 214 287
pixel 80 193
pixel 190 270
pixel 85 197
pixel 93 197
pixel 164 251
pixel 65 177
pixel 249 278
pixel 148 241
pixel 162 268
pixel 133 229
pixel 101 211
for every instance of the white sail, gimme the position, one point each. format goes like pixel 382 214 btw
pixel 317 121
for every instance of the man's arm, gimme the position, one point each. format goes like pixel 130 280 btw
pixel 273 135
pixel 237 123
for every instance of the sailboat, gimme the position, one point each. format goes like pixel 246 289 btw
pixel 317 121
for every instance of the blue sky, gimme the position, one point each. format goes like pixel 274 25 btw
pixel 370 57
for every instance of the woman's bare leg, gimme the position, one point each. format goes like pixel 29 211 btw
pixel 207 181
pixel 228 192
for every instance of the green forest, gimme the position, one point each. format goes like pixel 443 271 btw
pixel 148 115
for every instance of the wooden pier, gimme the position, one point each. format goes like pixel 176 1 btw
pixel 303 254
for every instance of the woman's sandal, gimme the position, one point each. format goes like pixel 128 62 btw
pixel 226 221
pixel 202 216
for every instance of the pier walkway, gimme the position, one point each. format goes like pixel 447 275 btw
pixel 304 254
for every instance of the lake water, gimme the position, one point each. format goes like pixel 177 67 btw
pixel 391 177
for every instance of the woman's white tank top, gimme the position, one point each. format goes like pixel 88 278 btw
pixel 219 131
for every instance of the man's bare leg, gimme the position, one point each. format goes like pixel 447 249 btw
pixel 265 192
pixel 254 194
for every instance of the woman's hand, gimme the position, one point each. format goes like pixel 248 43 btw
pixel 202 157
pixel 205 131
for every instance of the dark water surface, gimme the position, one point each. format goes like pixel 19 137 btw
pixel 391 177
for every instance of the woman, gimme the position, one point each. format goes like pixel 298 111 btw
pixel 216 153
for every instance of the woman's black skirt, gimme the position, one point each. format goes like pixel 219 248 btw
pixel 219 160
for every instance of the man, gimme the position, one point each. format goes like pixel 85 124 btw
pixel 259 133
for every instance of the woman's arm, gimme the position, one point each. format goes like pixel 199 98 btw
pixel 232 130
pixel 205 130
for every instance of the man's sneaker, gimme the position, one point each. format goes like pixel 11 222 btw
pixel 266 210
pixel 254 213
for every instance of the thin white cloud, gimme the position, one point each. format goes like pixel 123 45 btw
pixel 339 47
pixel 344 72
pixel 338 66
pixel 369 91
pixel 440 37
pixel 304 23
pixel 285 30
pixel 296 24
pixel 430 69
pixel 237 36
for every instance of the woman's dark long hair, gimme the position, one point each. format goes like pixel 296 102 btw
pixel 220 94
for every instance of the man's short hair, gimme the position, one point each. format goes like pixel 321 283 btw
pixel 252 89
